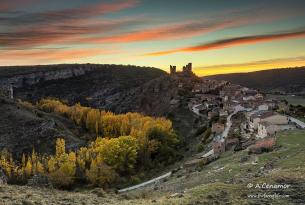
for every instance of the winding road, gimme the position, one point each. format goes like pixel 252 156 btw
pixel 146 183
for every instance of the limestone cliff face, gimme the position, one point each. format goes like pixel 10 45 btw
pixel 20 80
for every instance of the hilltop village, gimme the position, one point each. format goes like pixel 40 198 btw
pixel 239 117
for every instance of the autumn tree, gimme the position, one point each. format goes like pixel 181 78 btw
pixel 119 153
pixel 99 173
pixel 92 121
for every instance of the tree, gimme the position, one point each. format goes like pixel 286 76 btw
pixel 23 160
pixel 92 121
pixel 39 168
pixel 60 147
pixel 34 162
pixel 119 153
pixel 63 169
pixel 28 167
pixel 100 174
pixel 51 164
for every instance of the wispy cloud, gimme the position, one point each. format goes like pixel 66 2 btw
pixel 37 56
pixel 68 14
pixel 190 28
pixel 166 32
pixel 57 26
pixel 9 5
pixel 59 32
pixel 231 42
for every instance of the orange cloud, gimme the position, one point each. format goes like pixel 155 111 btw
pixel 49 55
pixel 187 29
pixel 231 42
pixel 57 26
pixel 167 32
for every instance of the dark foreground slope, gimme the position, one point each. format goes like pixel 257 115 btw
pixel 291 80
pixel 23 128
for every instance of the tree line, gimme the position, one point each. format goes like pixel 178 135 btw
pixel 125 144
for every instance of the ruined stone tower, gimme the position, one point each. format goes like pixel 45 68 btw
pixel 187 68
pixel 173 69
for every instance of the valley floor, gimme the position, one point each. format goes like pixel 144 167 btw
pixel 233 179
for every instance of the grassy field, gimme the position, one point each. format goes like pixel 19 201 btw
pixel 294 100
pixel 225 181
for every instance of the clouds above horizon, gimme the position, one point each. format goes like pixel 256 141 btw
pixel 231 42
pixel 30 29
pixel 139 31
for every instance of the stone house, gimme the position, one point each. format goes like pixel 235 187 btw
pixel 212 114
pixel 263 107
pixel 223 113
pixel 256 117
pixel 219 148
pixel 247 98
pixel 267 129
pixel 260 145
pixel 197 88
pixel 259 96
pixel 218 128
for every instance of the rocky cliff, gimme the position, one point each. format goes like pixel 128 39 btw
pixel 21 79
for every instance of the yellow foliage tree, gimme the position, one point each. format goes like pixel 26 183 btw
pixel 92 121
pixel 60 147
pixel 28 168
pixel 100 174
pixel 119 153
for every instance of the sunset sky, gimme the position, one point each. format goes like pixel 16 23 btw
pixel 217 36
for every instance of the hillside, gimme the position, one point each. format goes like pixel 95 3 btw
pixel 93 85
pixel 115 88
pixel 225 181
pixel 23 128
pixel 289 80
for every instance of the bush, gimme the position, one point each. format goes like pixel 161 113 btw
pixel 200 147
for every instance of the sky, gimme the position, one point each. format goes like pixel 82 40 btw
pixel 217 36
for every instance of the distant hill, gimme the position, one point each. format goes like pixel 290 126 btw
pixel 90 84
pixel 289 80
